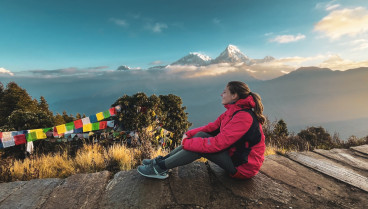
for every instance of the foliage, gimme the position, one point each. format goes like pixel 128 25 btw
pixel 317 137
pixel 166 111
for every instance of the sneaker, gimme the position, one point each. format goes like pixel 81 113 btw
pixel 149 161
pixel 152 171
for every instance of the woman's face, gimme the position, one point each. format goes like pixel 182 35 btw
pixel 227 97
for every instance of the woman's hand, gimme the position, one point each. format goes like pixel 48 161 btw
pixel 184 137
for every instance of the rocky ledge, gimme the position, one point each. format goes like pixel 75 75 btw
pixel 320 179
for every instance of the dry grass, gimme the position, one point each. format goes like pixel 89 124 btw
pixel 123 156
pixel 44 166
pixel 273 150
pixel 91 158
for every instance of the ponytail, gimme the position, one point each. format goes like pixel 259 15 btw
pixel 258 109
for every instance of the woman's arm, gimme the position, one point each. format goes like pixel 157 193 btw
pixel 233 131
pixel 207 128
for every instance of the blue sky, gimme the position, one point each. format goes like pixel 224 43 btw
pixel 52 35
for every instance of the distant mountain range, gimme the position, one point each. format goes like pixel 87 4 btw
pixel 231 55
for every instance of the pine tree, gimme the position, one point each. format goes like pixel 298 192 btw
pixel 281 129
pixel 78 116
pixel 58 119
pixel 43 106
pixel 15 98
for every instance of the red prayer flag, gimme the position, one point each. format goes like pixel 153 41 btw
pixel 103 124
pixel 20 139
pixel 112 111
pixel 1 135
pixel 78 124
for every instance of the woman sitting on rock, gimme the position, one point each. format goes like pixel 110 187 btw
pixel 235 141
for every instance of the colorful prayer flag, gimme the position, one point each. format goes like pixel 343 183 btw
pixel 45 130
pixel 112 111
pixel 40 134
pixel 92 119
pixel 86 121
pixel 8 140
pixel 95 126
pixel 78 130
pixel 31 136
pixel 87 127
pixel 70 126
pixel 103 124
pixel 110 123
pixel 78 124
pixel 20 139
pixel 99 116
pixel 1 135
pixel 118 108
pixel 61 129
pixel 106 114
pixel 1 144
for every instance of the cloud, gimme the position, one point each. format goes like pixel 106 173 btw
pixel 70 72
pixel 119 22
pixel 157 62
pixel 335 62
pixel 156 27
pixel 287 38
pixel 332 7
pixel 328 6
pixel 359 44
pixel 4 71
pixel 345 22
pixel 268 34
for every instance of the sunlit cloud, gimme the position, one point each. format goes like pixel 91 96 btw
pixel 119 22
pixel 288 38
pixel 335 62
pixel 359 45
pixel 345 22
pixel 4 71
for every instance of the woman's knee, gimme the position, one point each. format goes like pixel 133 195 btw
pixel 202 134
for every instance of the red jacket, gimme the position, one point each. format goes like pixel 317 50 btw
pixel 232 128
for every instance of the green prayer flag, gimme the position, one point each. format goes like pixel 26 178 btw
pixel 95 126
pixel 31 137
pixel 106 114
pixel 45 130
pixel 69 126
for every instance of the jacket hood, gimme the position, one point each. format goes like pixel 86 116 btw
pixel 246 103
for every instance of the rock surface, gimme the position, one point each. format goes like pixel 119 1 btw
pixel 283 182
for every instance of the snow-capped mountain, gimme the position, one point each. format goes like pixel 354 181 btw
pixel 193 58
pixel 231 55
pixel 259 61
pixel 125 68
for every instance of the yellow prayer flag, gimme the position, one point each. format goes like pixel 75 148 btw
pixel 87 127
pixel 61 129
pixel 40 134
pixel 100 116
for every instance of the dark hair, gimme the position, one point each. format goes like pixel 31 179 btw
pixel 243 91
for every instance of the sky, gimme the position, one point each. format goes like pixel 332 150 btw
pixel 93 36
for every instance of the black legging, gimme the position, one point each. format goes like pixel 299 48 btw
pixel 179 157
